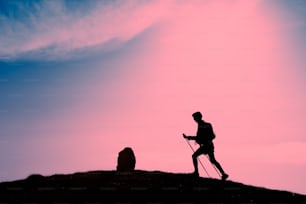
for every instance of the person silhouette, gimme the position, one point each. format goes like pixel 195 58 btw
pixel 204 138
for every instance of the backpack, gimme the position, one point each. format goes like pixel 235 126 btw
pixel 205 133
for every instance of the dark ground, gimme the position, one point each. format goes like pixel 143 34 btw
pixel 138 186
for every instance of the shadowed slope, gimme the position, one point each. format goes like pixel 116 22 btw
pixel 137 187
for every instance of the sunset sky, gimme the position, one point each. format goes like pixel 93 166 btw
pixel 81 80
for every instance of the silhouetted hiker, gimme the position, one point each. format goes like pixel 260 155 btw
pixel 204 138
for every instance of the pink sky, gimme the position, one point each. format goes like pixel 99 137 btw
pixel 230 60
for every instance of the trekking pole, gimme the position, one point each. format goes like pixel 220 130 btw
pixel 214 167
pixel 198 158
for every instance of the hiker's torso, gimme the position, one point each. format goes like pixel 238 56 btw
pixel 203 133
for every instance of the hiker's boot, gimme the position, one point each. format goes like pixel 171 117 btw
pixel 224 176
pixel 195 174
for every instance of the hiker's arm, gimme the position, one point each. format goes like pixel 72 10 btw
pixel 189 137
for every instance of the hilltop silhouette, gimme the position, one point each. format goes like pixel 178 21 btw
pixel 137 186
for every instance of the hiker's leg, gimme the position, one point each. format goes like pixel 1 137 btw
pixel 195 155
pixel 215 162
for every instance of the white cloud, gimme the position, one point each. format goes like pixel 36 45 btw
pixel 51 30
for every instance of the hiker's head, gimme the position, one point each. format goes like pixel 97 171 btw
pixel 197 116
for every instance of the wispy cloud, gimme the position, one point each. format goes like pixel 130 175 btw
pixel 52 30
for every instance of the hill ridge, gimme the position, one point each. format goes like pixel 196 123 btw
pixel 138 186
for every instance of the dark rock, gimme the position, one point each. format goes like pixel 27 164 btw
pixel 126 160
